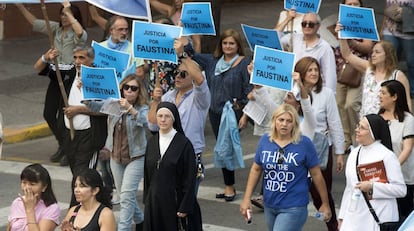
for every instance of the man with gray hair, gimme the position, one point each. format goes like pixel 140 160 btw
pixel 82 150
pixel 309 43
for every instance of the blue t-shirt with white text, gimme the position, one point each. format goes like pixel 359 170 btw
pixel 286 185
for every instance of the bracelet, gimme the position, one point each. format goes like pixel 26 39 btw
pixel 44 59
pixel 371 190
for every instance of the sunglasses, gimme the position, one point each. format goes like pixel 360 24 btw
pixel 281 155
pixel 182 74
pixel 309 24
pixel 126 87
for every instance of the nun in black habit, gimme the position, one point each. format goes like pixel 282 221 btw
pixel 170 176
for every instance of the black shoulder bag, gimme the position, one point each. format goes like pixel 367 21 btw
pixel 386 226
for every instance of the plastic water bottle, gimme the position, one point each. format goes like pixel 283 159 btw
pixel 356 195
pixel 248 216
pixel 320 216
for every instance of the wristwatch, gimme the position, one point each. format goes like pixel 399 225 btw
pixel 183 55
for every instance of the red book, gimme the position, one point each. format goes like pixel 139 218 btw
pixel 373 172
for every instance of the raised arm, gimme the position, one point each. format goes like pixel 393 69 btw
pixel 359 63
pixel 27 14
pixel 196 42
pixel 193 68
pixel 364 47
pixel 162 8
pixel 96 17
pixel 76 26
pixel 291 14
pixel 45 59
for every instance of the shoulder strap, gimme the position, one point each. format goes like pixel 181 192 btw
pixel 371 210
pixel 394 74
pixel 74 214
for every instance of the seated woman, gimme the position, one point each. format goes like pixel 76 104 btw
pixel 94 211
pixel 37 208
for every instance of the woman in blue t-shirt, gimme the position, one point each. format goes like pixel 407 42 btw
pixel 285 157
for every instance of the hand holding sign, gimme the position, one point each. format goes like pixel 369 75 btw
pixel 273 68
pixel 357 23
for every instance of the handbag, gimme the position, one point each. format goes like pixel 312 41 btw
pixel 349 76
pixel 385 226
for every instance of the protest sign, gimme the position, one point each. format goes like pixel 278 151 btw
pixel 36 1
pixel 154 41
pixel 357 22
pixel 260 36
pixel 99 83
pixel 303 6
pixel 272 68
pixel 106 57
pixel 139 9
pixel 128 8
pixel 197 18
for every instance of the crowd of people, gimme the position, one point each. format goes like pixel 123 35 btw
pixel 159 136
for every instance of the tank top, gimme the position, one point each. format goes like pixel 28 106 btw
pixel 93 224
pixel 370 99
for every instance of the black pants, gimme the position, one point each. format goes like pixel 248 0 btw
pixel 317 202
pixel 81 154
pixel 53 111
pixel 406 204
pixel 215 119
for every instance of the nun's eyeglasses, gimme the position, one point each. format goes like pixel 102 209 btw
pixel 359 127
pixel 281 155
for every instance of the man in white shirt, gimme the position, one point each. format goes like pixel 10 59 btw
pixel 81 151
pixel 309 43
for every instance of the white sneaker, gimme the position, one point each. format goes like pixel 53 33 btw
pixel 115 197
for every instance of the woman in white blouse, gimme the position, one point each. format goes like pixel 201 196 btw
pixel 327 122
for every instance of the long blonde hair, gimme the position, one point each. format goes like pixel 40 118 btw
pixel 285 108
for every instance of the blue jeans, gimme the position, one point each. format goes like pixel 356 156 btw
pixel 407 47
pixel 127 178
pixel 290 219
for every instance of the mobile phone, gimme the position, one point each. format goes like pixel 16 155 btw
pixel 248 216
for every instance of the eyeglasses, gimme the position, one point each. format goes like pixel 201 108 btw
pixel 122 29
pixel 126 87
pixel 309 24
pixel 360 127
pixel 182 74
pixel 281 155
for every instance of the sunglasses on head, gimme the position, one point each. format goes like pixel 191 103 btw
pixel 126 87
pixel 281 155
pixel 182 74
pixel 309 24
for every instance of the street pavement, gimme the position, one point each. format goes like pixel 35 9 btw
pixel 21 104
